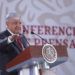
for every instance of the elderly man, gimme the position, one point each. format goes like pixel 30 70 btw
pixel 9 48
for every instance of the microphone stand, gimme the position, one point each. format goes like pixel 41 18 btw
pixel 45 64
pixel 39 36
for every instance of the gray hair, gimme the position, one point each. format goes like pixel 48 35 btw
pixel 10 15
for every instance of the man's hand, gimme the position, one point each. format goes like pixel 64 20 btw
pixel 13 37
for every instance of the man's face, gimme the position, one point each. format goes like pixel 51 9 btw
pixel 14 25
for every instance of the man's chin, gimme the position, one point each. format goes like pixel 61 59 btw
pixel 17 32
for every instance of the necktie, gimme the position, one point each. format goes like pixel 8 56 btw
pixel 19 42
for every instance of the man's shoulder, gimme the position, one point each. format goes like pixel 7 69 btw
pixel 4 33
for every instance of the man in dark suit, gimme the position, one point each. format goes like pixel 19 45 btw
pixel 8 46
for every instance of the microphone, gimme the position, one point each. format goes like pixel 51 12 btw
pixel 39 36
pixel 32 32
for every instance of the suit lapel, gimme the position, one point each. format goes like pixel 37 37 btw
pixel 7 33
pixel 14 44
pixel 24 41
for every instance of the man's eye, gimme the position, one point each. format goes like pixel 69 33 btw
pixel 17 23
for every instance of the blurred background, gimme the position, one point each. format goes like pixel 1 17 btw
pixel 54 20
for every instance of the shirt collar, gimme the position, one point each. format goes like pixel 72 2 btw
pixel 10 31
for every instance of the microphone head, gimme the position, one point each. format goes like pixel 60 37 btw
pixel 32 32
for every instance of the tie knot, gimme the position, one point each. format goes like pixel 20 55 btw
pixel 18 37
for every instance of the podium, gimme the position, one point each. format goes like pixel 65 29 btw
pixel 32 56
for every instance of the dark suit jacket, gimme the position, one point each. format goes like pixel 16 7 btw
pixel 9 50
